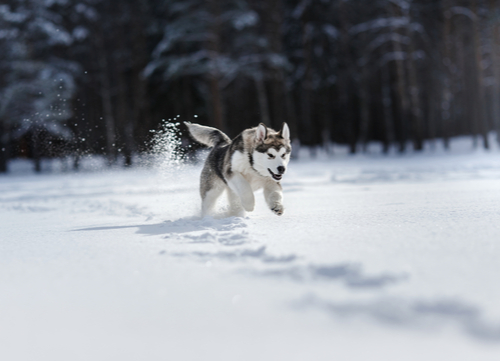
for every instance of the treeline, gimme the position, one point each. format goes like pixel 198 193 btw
pixel 95 76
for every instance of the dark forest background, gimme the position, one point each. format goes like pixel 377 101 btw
pixel 96 77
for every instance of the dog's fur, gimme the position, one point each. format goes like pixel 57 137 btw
pixel 256 158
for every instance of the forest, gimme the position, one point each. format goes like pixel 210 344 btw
pixel 97 77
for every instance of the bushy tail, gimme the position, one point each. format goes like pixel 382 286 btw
pixel 207 135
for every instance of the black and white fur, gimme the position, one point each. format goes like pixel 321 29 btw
pixel 256 158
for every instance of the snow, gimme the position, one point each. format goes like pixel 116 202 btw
pixel 378 24
pixel 375 258
pixel 460 10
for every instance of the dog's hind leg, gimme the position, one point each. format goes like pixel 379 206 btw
pixel 209 197
pixel 239 185
pixel 209 200
pixel 235 207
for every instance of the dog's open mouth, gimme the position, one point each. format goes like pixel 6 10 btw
pixel 275 176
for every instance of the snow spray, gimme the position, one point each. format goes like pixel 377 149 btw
pixel 169 159
pixel 166 146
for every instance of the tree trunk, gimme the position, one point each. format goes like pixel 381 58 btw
pixel 446 96
pixel 262 99
pixel 305 90
pixel 404 103
pixel 141 114
pixel 216 102
pixel 124 118
pixel 272 13
pixel 213 77
pixel 106 97
pixel 3 159
pixel 35 149
pixel 124 99
pixel 187 98
pixel 292 121
pixel 464 123
pixel 387 104
pixel 76 162
pixel 344 80
pixel 495 57
pixel 326 116
pixel 365 107
pixel 416 107
pixel 480 105
pixel 4 147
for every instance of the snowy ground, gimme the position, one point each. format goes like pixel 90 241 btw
pixel 375 258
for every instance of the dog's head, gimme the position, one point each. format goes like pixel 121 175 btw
pixel 272 151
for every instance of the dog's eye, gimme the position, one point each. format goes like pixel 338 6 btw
pixel 270 156
pixel 283 156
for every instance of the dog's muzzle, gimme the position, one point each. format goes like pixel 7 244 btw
pixel 277 176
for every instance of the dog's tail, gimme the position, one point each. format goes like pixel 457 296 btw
pixel 207 135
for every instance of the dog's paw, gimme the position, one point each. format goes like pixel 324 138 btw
pixel 278 209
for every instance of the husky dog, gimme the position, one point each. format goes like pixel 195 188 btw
pixel 256 158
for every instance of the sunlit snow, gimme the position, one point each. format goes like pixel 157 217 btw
pixel 375 258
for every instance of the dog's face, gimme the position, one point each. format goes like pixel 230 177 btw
pixel 272 151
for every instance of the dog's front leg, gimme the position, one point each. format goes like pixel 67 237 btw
pixel 242 188
pixel 274 197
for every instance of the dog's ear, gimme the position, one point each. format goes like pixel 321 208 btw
pixel 261 133
pixel 285 131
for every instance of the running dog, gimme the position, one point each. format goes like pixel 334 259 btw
pixel 256 158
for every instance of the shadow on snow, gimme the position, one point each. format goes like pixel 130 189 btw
pixel 416 314
pixel 179 226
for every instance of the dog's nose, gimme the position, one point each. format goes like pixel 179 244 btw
pixel 281 169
